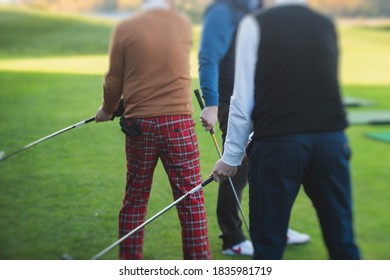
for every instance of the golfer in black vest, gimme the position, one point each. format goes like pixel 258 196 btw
pixel 286 86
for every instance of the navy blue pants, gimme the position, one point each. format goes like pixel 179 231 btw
pixel 278 167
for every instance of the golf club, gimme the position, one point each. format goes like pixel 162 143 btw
pixel 4 156
pixel 117 113
pixel 200 101
pixel 109 248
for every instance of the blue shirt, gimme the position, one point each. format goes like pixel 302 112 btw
pixel 220 23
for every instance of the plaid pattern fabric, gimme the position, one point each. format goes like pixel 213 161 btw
pixel 173 140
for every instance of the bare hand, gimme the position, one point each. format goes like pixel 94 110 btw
pixel 102 116
pixel 209 117
pixel 222 171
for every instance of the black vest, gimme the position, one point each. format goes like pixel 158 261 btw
pixel 296 82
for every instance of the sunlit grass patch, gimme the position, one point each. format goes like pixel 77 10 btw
pixel 95 64
pixel 365 55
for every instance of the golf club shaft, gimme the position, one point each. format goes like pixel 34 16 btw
pixel 200 101
pixel 194 190
pixel 48 137
pixel 216 144
pixel 118 113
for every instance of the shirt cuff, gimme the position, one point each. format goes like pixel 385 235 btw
pixel 232 160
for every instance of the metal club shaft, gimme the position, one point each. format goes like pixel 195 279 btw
pixel 200 101
pixel 194 190
pixel 5 156
pixel 118 113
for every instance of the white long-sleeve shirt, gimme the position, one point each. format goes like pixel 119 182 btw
pixel 242 101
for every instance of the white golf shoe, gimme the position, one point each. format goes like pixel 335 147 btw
pixel 295 237
pixel 245 248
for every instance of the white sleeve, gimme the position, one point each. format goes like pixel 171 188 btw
pixel 242 100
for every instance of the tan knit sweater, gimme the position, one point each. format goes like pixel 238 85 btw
pixel 149 65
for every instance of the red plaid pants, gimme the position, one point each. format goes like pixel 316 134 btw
pixel 173 140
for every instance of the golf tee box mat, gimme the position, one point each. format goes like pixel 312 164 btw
pixel 380 136
pixel 349 101
pixel 368 117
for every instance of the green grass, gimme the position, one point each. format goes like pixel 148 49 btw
pixel 64 194
pixel 43 34
pixel 364 55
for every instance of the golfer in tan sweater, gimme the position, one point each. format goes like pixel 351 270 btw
pixel 149 69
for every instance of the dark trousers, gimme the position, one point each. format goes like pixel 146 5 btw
pixel 278 167
pixel 228 216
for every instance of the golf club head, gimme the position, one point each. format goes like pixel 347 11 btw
pixel 2 155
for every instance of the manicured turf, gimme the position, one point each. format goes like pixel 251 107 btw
pixel 379 136
pixel 64 194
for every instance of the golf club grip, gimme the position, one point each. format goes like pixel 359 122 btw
pixel 208 181
pixel 89 120
pixel 200 101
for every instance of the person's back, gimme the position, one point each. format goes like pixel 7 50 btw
pixel 155 47
pixel 287 86
pixel 299 47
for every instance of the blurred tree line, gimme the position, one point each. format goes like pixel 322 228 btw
pixel 354 8
pixel 104 5
pixel 342 8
